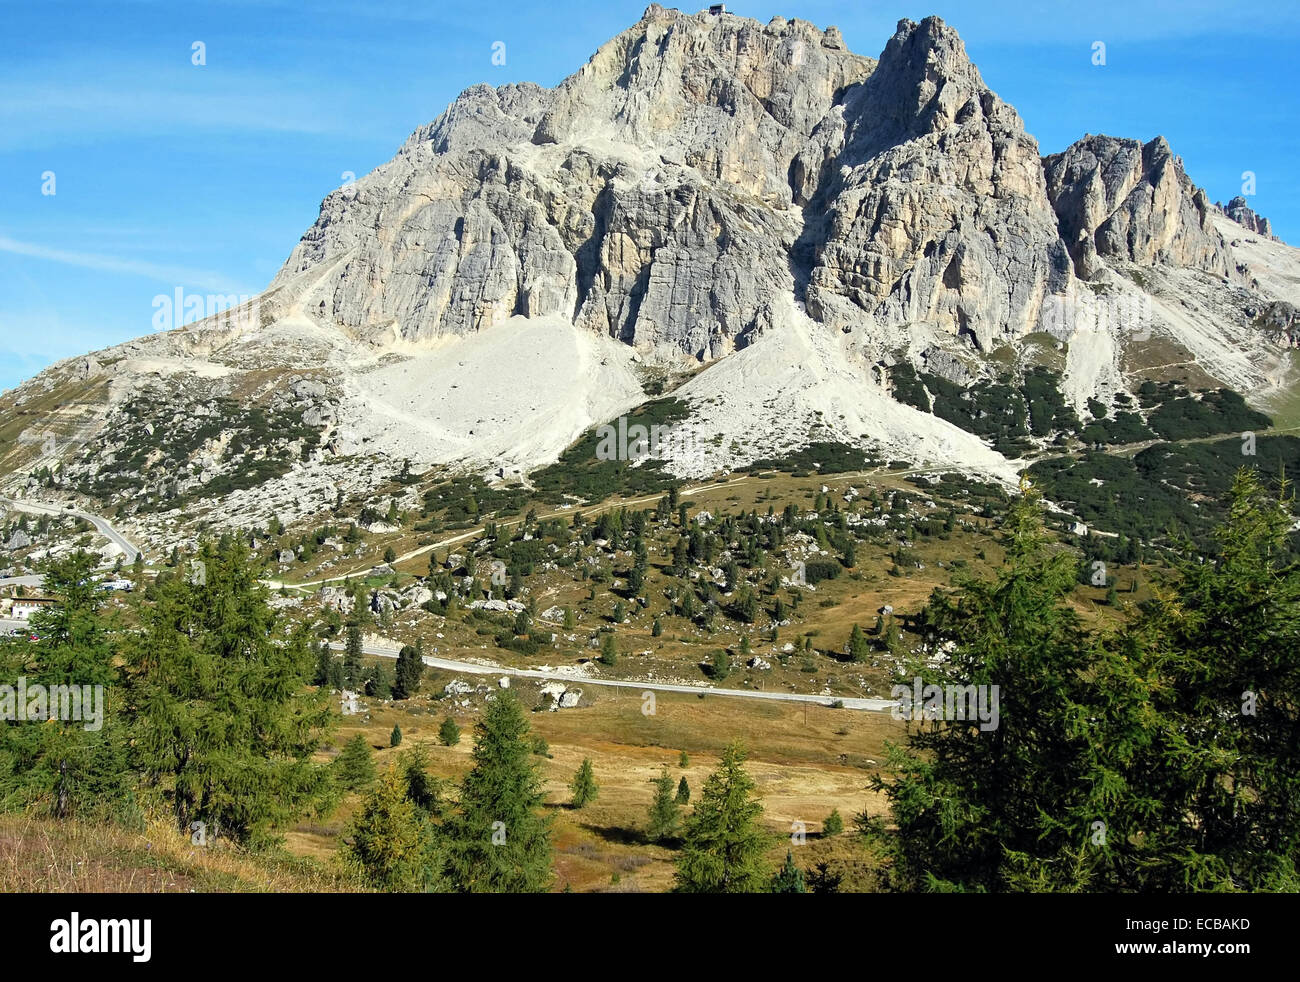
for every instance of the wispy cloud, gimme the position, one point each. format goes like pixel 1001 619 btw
pixel 202 279
pixel 65 101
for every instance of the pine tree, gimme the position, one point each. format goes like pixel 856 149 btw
pixel 584 786
pixel 222 710
pixel 76 768
pixel 449 732
pixel 822 879
pixel 395 738
pixel 724 845
pixel 353 670
pixel 499 840
pixel 379 682
pixel 978 809
pixel 410 670
pixel 833 825
pixel 664 817
pixel 569 622
pixel 355 765
pixel 789 878
pixel 389 841
pixel 335 676
pixel 608 649
pixel 324 659
pixel 721 667
pixel 683 760
pixel 1212 763
pixel 748 608
pixel 859 646
pixel 683 792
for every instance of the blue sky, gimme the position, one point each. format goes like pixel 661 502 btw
pixel 170 175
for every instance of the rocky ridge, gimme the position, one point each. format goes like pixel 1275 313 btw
pixel 750 205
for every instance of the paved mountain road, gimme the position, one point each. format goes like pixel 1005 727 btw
pixel 101 524
pixel 472 668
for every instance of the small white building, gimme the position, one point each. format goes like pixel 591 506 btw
pixel 24 607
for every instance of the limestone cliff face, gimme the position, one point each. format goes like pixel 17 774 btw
pixel 930 203
pixel 646 197
pixel 1120 199
pixel 699 170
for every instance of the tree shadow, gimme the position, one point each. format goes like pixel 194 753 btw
pixel 618 834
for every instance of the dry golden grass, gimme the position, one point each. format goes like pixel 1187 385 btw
pixel 805 761
pixel 41 855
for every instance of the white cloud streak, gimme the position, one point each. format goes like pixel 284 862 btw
pixel 176 275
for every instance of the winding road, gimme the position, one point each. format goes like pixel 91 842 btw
pixel 101 524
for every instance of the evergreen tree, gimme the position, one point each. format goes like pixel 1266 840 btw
pixel 395 738
pixel 569 621
pixel 449 732
pixel 389 841
pixel 683 792
pixel 748 608
pixel 222 711
pixel 355 765
pixel 410 670
pixel 608 649
pixel 499 840
pixel 859 646
pixel 664 817
pixel 335 676
pixel 833 825
pixel 584 786
pixel 73 767
pixel 721 667
pixel 976 809
pixel 1207 794
pixel 789 878
pixel 683 760
pixel 324 659
pixel 353 670
pixel 724 846
pixel 379 682
pixel 822 879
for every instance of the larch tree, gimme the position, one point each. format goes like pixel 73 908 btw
pixel 724 845
pixel 499 838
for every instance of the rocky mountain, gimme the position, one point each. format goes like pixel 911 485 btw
pixel 1121 199
pixel 1241 213
pixel 798 243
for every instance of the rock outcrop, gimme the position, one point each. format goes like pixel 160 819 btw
pixel 1120 199
pixel 1241 213
pixel 646 197
pixel 929 202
